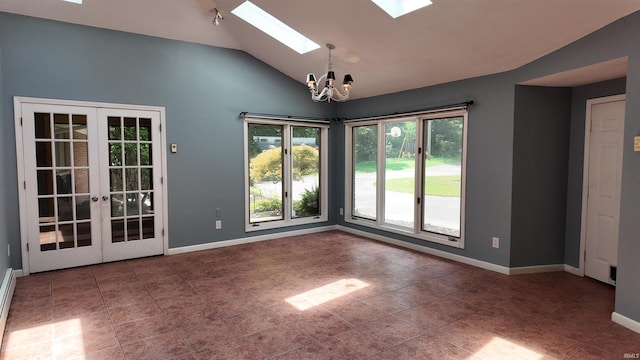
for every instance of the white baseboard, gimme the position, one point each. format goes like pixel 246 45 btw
pixel 6 295
pixel 520 270
pixel 427 250
pixel 573 270
pixel 626 322
pixel 248 240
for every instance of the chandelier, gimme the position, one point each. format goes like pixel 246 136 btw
pixel 329 92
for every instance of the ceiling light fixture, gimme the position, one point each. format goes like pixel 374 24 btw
pixel 329 92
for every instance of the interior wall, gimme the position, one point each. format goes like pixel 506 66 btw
pixel 203 89
pixel 540 156
pixel 579 97
pixel 4 183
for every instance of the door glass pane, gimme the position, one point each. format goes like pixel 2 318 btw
pixel 147 203
pixel 117 230
pixel 145 129
pixel 83 207
pixel 43 154
pixel 115 154
pixel 65 236
pixel 79 123
pixel 117 205
pixel 145 154
pixel 442 176
pixel 265 173
pixel 131 154
pixel 115 128
pixel 133 205
pixel 399 174
pixel 63 153
pixel 84 234
pixel 133 229
pixel 46 210
pixel 61 126
pixel 42 122
pixel 130 129
pixel 45 182
pixel 65 208
pixel 146 179
pixel 80 154
pixel 148 230
pixel 63 181
pixel 81 180
pixel 48 238
pixel 365 152
pixel 132 179
pixel 305 169
pixel 116 179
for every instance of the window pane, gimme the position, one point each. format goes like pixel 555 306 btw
pixel 365 152
pixel 265 173
pixel 399 175
pixel 442 176
pixel 305 168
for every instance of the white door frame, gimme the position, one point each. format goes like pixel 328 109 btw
pixel 585 172
pixel 20 157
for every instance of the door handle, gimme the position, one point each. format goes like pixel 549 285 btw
pixel 94 199
pixel 105 197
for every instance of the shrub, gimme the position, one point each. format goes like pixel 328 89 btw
pixel 308 205
pixel 274 206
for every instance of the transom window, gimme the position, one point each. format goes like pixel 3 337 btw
pixel 406 175
pixel 286 176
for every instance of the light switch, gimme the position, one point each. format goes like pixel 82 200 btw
pixel 636 144
pixel 174 148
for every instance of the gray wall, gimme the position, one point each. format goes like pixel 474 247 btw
pixel 579 97
pixel 203 89
pixel 5 192
pixel 540 155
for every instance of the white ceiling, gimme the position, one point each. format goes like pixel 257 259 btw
pixel 449 40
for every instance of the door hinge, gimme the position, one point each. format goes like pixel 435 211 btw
pixel 20 121
pixel 160 127
pixel 162 231
pixel 27 247
pixel 161 179
pixel 24 184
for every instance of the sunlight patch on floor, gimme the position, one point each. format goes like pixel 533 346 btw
pixel 321 295
pixel 499 347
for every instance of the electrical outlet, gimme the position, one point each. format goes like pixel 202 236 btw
pixel 495 242
pixel 341 211
pixel 218 224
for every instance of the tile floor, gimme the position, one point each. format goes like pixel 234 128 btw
pixel 324 296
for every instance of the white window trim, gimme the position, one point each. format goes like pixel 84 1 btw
pixel 324 179
pixel 379 222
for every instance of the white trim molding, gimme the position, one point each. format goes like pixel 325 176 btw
pixel 573 270
pixel 6 295
pixel 248 240
pixel 520 270
pixel 622 320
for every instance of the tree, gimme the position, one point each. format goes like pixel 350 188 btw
pixel 267 166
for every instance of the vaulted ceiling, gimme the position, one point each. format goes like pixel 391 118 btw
pixel 446 41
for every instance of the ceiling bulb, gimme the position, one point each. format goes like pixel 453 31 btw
pixel 329 92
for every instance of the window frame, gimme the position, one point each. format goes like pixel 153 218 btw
pixel 287 183
pixel 417 231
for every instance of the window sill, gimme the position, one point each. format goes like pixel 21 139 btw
pixel 277 224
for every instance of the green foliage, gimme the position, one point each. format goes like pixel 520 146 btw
pixel 365 143
pixel 309 204
pixel 267 166
pixel 446 137
pixel 305 161
pixel 273 206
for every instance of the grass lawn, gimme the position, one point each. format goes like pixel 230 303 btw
pixel 402 164
pixel 434 185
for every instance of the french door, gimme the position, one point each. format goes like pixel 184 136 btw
pixel 93 187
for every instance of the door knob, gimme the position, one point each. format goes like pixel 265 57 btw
pixel 105 197
pixel 95 198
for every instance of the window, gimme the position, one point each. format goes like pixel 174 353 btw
pixel 406 175
pixel 286 176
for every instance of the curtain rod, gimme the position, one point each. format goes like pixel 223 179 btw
pixel 245 114
pixel 451 107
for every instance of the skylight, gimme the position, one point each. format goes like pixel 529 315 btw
pixel 74 1
pixel 275 28
pixel 397 8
